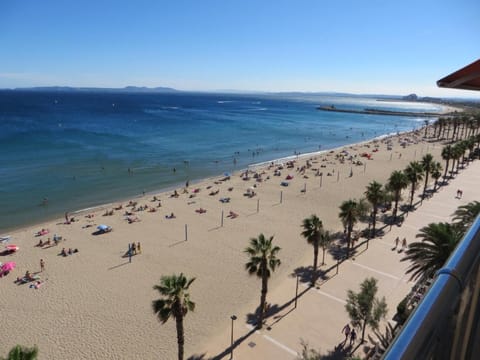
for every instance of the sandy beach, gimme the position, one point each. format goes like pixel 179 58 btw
pixel 95 304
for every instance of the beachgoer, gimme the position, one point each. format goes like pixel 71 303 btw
pixel 139 249
pixel 353 336
pixel 70 251
pixel 134 249
pixel 63 252
pixel 42 265
pixel 404 243
pixel 397 241
pixel 346 331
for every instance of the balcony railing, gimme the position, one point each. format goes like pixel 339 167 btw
pixel 446 323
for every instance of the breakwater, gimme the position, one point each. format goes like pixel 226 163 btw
pixel 378 112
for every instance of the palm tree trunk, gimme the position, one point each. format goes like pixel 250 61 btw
pixel 446 169
pixel 426 182
pixel 323 259
pixel 349 237
pixel 374 220
pixel 180 337
pixel 395 209
pixel 263 299
pixel 412 193
pixel 315 262
pixel 364 326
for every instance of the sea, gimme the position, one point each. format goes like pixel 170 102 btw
pixel 67 151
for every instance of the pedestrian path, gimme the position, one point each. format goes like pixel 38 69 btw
pixel 320 313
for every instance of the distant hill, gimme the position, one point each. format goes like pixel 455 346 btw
pixel 127 89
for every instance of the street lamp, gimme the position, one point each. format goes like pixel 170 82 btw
pixel 233 317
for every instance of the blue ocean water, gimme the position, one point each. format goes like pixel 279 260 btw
pixel 84 149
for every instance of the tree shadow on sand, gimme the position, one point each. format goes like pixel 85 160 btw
pixel 273 310
pixel 227 350
pixel 340 352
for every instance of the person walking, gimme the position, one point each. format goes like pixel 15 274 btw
pixel 404 243
pixel 397 241
pixel 353 337
pixel 139 249
pixel 346 331
pixel 42 265
pixel 129 253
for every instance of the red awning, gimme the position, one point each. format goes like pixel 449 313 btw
pixel 466 78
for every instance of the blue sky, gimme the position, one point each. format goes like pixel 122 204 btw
pixel 359 46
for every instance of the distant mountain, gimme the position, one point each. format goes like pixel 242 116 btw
pixel 127 89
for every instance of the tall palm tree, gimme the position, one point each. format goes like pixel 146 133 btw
pixel 396 183
pixel 426 122
pixel 19 352
pixel 436 173
pixel 312 231
pixel 429 255
pixel 263 261
pixel 456 155
pixel 175 302
pixel 470 144
pixel 350 213
pixel 374 195
pixel 447 155
pixel 427 164
pixel 465 215
pixel 414 174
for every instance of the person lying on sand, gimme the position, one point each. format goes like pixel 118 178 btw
pixel 232 215
pixel 171 216
pixel 201 211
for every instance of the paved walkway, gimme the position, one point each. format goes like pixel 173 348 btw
pixel 320 313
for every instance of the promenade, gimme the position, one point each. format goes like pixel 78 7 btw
pixel 320 312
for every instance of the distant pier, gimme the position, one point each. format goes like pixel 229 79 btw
pixel 379 112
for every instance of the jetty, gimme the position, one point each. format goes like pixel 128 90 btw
pixel 372 111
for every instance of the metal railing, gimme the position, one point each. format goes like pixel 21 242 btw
pixel 446 323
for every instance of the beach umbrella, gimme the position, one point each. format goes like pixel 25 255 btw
pixel 8 266
pixel 102 227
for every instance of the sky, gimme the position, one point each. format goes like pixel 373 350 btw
pixel 356 46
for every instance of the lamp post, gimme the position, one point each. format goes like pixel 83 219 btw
pixel 233 317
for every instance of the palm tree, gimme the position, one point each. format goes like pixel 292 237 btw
pixel 465 215
pixel 374 195
pixel 350 213
pixel 426 122
pixel 414 173
pixel 263 261
pixel 427 164
pixel 397 182
pixel 429 255
pixel 456 155
pixel 175 302
pixel 312 231
pixel 364 308
pixel 447 154
pixel 19 352
pixel 436 173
